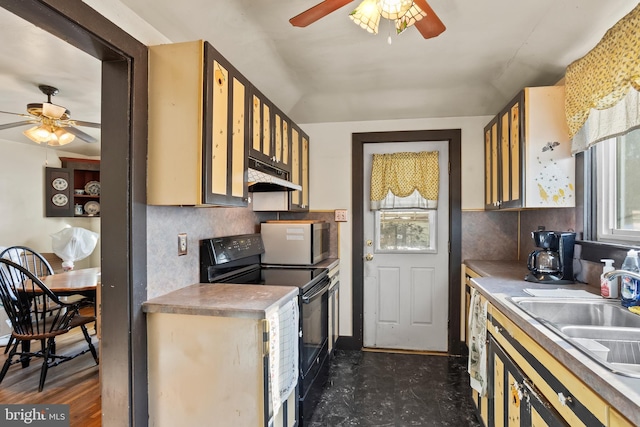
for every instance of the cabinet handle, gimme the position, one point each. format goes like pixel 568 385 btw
pixel 564 400
pixel 534 392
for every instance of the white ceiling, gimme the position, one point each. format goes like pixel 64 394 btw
pixel 332 70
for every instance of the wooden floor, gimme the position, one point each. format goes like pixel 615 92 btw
pixel 75 382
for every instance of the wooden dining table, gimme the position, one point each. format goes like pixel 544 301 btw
pixel 73 282
pixel 85 282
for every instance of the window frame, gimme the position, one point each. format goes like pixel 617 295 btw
pixel 433 227
pixel 606 192
pixel 591 249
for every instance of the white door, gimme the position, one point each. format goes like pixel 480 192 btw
pixel 406 291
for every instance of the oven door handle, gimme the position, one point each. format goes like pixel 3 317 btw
pixel 306 299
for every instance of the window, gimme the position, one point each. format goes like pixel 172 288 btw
pixel 618 189
pixel 406 231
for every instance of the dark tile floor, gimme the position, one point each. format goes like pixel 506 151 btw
pixel 388 389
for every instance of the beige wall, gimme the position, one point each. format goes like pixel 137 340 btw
pixel 22 207
pixel 330 182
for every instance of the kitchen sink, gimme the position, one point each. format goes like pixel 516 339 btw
pixel 601 329
pixel 575 311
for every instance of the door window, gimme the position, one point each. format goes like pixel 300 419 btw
pixel 406 231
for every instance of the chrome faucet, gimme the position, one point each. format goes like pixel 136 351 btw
pixel 616 273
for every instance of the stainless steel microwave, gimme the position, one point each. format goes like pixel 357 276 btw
pixel 295 242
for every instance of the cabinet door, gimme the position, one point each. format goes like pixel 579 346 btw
pixel 266 139
pixel 281 150
pixel 58 184
pixel 514 401
pixel 299 169
pixel 226 133
pixel 511 148
pixel 491 165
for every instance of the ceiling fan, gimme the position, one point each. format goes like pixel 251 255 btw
pixel 53 123
pixel 422 16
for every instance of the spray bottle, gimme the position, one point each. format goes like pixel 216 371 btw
pixel 629 289
pixel 608 287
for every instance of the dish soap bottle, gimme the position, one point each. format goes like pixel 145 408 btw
pixel 629 286
pixel 608 287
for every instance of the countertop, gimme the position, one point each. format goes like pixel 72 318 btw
pixel 222 300
pixel 503 279
pixel 328 263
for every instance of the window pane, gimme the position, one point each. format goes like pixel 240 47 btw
pixel 628 182
pixel 405 231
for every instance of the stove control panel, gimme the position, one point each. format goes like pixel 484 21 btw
pixel 232 248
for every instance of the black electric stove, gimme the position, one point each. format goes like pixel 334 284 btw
pixel 236 259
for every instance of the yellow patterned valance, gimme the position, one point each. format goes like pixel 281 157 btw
pixel 402 175
pixel 604 75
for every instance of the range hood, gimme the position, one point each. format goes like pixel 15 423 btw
pixel 264 178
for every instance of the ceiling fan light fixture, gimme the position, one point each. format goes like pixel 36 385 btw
pixel 413 15
pixel 394 9
pixel 62 137
pixel 367 15
pixel 37 134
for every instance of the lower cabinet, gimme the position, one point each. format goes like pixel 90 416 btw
pixel 518 369
pixel 514 400
pixel 212 371
pixel 529 387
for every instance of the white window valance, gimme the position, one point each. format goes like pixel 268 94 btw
pixel 602 87
pixel 405 180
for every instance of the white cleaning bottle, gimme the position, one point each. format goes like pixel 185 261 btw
pixel 608 287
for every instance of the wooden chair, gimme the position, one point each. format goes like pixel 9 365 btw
pixel 29 259
pixel 43 321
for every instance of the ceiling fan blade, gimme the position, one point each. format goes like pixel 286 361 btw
pixel 429 26
pixel 318 11
pixel 85 124
pixel 16 124
pixel 80 134
pixel 52 111
pixel 16 114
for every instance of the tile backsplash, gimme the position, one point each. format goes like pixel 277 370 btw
pixel 506 235
pixel 166 271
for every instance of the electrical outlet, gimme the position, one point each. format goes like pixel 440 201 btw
pixel 182 244
pixel 340 215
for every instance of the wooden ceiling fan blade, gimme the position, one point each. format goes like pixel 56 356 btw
pixel 430 26
pixel 16 124
pixel 316 12
pixel 80 134
pixel 85 124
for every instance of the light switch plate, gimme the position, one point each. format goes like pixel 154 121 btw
pixel 182 244
pixel 340 215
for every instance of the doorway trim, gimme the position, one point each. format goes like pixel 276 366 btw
pixel 123 192
pixel 454 138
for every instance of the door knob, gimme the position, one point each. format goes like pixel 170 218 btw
pixel 368 257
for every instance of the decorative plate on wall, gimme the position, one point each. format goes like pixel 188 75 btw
pixel 60 184
pixel 59 199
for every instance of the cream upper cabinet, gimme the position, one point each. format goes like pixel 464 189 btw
pixel 198 127
pixel 528 162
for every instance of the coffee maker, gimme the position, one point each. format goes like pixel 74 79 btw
pixel 553 262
